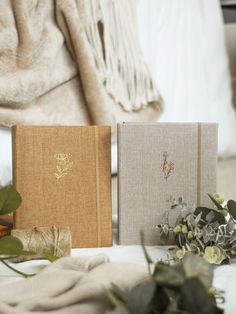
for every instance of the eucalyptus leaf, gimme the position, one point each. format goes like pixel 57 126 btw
pixel 210 216
pixel 147 257
pixel 168 276
pixel 231 205
pixel 218 216
pixel 10 245
pixel 230 226
pixel 28 253
pixel 161 301
pixel 114 299
pixel 119 294
pixel 140 297
pixel 198 218
pixel 180 240
pixel 172 289
pixel 49 256
pixel 118 310
pixel 10 200
pixel 215 202
pixel 196 266
pixel 194 298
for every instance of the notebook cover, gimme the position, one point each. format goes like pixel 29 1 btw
pixel 159 160
pixel 63 174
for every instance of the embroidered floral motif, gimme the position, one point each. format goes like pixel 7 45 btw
pixel 166 167
pixel 64 165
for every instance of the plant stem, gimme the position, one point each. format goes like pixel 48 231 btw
pixel 200 242
pixel 16 270
pixel 9 257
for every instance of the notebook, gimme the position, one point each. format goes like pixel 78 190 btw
pixel 157 161
pixel 63 174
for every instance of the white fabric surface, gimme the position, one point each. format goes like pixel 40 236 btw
pixel 184 45
pixel 224 279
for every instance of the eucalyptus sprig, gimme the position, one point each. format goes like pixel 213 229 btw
pixel 11 247
pixel 208 232
pixel 183 288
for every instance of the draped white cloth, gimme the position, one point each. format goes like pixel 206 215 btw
pixel 184 45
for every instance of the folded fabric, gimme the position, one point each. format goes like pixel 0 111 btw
pixel 70 285
pixel 73 62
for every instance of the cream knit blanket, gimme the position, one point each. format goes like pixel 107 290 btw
pixel 71 285
pixel 73 62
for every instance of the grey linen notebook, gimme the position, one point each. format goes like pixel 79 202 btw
pixel 159 160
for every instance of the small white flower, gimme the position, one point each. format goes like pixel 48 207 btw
pixel 177 229
pixel 214 255
pixel 219 198
pixel 180 253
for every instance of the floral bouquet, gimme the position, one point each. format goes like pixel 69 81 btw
pixel 207 232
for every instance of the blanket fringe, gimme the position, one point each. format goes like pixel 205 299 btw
pixel 117 55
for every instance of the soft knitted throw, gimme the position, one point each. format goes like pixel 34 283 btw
pixel 73 62
pixel 71 285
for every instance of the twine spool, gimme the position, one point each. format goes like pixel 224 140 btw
pixel 56 240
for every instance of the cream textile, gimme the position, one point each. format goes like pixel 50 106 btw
pixel 72 62
pixel 70 285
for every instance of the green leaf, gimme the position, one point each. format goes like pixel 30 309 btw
pixel 231 205
pixel 168 276
pixel 196 266
pixel 10 200
pixel 114 299
pixel 195 299
pixel 49 256
pixel 10 246
pixel 180 240
pixel 148 258
pixel 28 253
pixel 215 202
pixel 140 297
pixel 160 301
pixel 218 216
pixel 117 310
pixel 120 295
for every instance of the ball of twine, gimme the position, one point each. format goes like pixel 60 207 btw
pixel 56 240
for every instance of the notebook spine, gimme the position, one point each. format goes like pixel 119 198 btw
pixel 14 164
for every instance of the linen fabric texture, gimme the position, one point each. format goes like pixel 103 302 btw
pixel 63 174
pixel 157 161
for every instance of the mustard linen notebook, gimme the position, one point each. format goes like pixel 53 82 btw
pixel 63 174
